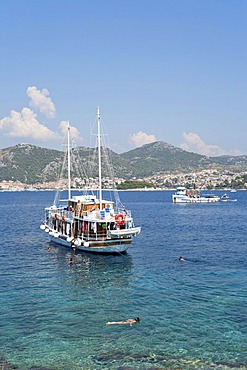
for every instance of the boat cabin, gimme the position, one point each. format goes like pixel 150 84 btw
pixel 83 205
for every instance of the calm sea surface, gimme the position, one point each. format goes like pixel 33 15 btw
pixel 193 314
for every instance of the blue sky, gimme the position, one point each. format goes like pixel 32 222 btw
pixel 169 70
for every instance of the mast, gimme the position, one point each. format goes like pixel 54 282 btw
pixel 68 149
pixel 99 159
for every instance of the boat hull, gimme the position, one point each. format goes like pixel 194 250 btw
pixel 88 233
pixel 104 247
pixel 177 199
pixel 228 200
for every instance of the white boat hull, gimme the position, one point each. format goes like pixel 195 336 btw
pixel 106 247
pixel 228 200
pixel 118 244
pixel 177 199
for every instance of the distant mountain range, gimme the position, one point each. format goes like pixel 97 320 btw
pixel 31 164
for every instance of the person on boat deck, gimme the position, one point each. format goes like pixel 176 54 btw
pixel 128 322
pixel 182 259
pixel 78 208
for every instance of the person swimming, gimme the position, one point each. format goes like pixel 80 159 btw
pixel 128 322
pixel 182 259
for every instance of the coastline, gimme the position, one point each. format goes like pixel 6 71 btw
pixel 15 189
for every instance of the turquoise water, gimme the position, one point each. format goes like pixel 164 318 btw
pixel 193 314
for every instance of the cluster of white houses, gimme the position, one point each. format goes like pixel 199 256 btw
pixel 205 179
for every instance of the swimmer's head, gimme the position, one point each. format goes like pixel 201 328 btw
pixel 137 319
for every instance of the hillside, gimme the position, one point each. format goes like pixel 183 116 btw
pixel 228 160
pixel 30 164
pixel 161 157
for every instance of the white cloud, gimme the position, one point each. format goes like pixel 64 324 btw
pixel 140 138
pixel 41 100
pixel 25 124
pixel 193 143
pixel 75 134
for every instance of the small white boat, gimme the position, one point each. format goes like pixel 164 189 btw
pixel 184 195
pixel 88 222
pixel 226 198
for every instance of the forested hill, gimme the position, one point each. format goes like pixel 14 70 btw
pixel 30 164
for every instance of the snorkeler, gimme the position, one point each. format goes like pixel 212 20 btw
pixel 129 321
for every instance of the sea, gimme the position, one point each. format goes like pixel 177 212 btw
pixel 193 314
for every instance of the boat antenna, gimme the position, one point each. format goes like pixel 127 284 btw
pixel 99 159
pixel 69 176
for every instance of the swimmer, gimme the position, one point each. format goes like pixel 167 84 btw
pixel 128 322
pixel 70 261
pixel 182 259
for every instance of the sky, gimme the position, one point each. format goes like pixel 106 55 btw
pixel 160 70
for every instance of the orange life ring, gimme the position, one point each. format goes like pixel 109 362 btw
pixel 120 219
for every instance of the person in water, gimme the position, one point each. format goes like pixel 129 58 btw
pixel 182 259
pixel 128 322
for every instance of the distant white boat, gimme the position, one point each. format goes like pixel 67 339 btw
pixel 233 191
pixel 226 198
pixel 184 195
